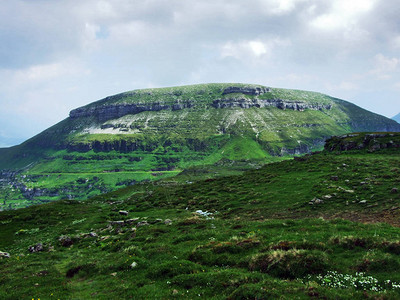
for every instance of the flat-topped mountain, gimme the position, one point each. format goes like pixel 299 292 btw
pixel 280 121
pixel 153 133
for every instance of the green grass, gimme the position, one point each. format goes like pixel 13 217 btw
pixel 214 258
pixel 252 235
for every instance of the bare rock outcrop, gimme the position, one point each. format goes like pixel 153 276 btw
pixel 113 111
pixel 261 103
pixel 232 96
pixel 254 91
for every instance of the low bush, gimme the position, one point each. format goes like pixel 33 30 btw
pixel 352 242
pixel 391 247
pixel 173 268
pixel 254 291
pixel 290 264
pixel 219 280
pixel 378 262
pixel 82 270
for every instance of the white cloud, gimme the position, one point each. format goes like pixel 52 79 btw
pixel 279 7
pixel 44 73
pixel 395 42
pixel 43 92
pixel 244 49
pixel 296 80
pixel 258 48
pixel 343 14
pixel 252 49
pixel 133 32
pixel 348 86
pixel 384 66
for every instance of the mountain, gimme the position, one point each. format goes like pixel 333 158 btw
pixel 397 118
pixel 156 133
pixel 321 226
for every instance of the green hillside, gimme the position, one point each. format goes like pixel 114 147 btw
pixel 320 226
pixel 150 134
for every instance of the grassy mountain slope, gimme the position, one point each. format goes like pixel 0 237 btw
pixel 155 133
pixel 302 228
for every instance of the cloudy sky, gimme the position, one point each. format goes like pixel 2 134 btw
pixel 59 55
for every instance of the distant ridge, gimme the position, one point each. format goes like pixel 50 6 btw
pixel 397 118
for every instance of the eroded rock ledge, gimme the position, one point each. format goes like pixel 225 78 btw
pixel 107 112
pixel 254 91
pixel 234 96
pixel 260 103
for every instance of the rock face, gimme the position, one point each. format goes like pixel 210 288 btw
pixel 36 248
pixel 261 103
pixel 108 112
pixel 65 241
pixel 359 141
pixel 4 254
pixel 245 97
pixel 254 91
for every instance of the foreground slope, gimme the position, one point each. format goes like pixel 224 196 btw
pixel 155 133
pixel 284 231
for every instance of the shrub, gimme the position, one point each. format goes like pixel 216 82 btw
pixel 392 247
pixel 290 264
pixel 254 291
pixel 222 253
pixel 226 247
pixel 248 243
pixel 287 245
pixel 191 221
pixel 173 268
pixel 208 257
pixel 378 262
pixel 222 280
pixel 81 270
pixel 351 242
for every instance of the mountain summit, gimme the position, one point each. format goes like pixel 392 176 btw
pixel 151 133
pixel 279 120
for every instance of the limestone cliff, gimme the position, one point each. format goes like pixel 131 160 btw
pixel 233 96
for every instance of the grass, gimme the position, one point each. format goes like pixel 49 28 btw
pixel 252 235
pixel 214 258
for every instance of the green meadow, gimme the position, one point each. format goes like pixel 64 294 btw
pixel 320 226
